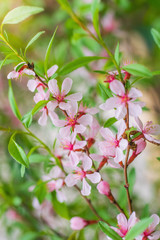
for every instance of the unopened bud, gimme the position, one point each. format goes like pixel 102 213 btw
pixel 78 223
pixel 104 188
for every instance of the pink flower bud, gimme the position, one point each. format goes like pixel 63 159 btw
pixel 78 223
pixel 104 188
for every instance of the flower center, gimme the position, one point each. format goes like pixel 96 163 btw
pixel 68 147
pixel 71 121
pixel 60 98
pixel 81 173
pixel 124 98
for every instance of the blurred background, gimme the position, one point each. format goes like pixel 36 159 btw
pixel 128 22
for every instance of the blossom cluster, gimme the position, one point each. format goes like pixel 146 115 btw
pixel 80 131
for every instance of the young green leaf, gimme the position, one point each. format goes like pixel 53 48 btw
pixel 33 40
pixel 109 231
pixel 22 170
pixel 117 55
pixel 156 36
pixel 132 179
pixel 110 122
pixel 104 92
pixel 4 61
pixel 138 228
pixel 39 106
pixel 17 152
pixel 138 70
pixel 27 119
pixel 48 52
pixel 95 16
pixel 12 102
pixel 158 158
pixel 65 5
pixel 80 62
pixel 19 14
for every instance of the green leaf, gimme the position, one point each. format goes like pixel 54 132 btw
pixel 22 170
pixel 73 236
pixel 131 179
pixel 156 36
pixel 104 92
pixel 95 16
pixel 138 228
pixel 20 13
pixel 48 52
pixel 27 119
pixel 29 236
pixel 80 62
pixel 158 158
pixel 110 122
pixel 40 191
pixel 138 70
pixel 65 5
pixel 60 208
pixel 37 158
pixel 109 231
pixel 17 152
pixel 33 40
pixel 117 55
pixel 12 102
pixel 4 61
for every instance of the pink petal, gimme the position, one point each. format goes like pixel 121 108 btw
pixel 121 112
pixel 122 221
pixel 77 223
pixel 92 110
pixel 29 72
pixel 64 106
pixel 139 123
pixel 52 70
pixel 155 222
pixel 119 155
pixel 105 150
pixel 65 131
pixel 71 180
pixel 121 128
pixel 86 188
pixel 94 177
pixel 56 121
pixel 79 145
pixel 59 183
pixel 96 157
pixel 141 144
pixel 154 236
pixel 74 158
pixel 134 109
pixel 107 134
pixel 110 103
pixel 13 74
pixel 117 87
pixel 134 93
pixel 87 163
pixel 112 164
pixel 123 144
pixel 154 129
pixel 132 220
pixel 66 86
pixel 80 128
pixel 85 120
pixel 53 87
pixel 43 119
pixel 52 105
pixel 74 97
pixel 60 196
pixel 32 84
pixel 72 111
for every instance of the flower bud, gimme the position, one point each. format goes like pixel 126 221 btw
pixel 104 188
pixel 78 223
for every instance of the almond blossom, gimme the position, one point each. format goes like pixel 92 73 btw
pixel 149 129
pixel 35 84
pixel 39 96
pixel 81 174
pixel 150 232
pixel 124 225
pixel 23 70
pixel 72 145
pixel 78 223
pixel 113 146
pixel 61 96
pixel 72 121
pixel 123 99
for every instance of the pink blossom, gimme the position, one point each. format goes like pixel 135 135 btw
pixel 81 174
pixel 83 109
pixel 109 23
pixel 119 102
pixel 104 188
pixel 36 84
pixel 42 95
pixel 13 215
pixel 149 129
pixel 72 121
pixel 113 146
pixel 125 225
pixel 150 232
pixel 72 145
pixel 61 96
pixel 23 69
pixel 91 132
pixel 78 223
